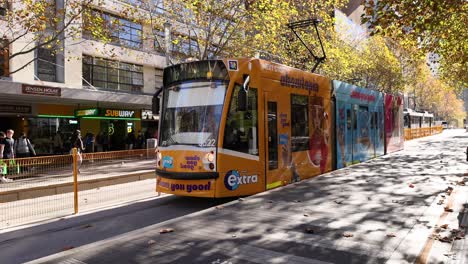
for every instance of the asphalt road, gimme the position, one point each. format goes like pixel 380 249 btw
pixel 42 240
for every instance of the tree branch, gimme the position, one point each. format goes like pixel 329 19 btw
pixel 56 35
pixel 24 66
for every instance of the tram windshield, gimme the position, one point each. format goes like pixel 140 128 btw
pixel 192 113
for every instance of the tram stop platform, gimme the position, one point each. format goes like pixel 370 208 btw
pixel 406 207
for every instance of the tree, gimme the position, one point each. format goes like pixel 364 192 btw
pixel 40 24
pixel 428 26
pixel 435 96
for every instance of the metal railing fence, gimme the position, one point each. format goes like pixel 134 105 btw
pixel 48 187
pixel 413 133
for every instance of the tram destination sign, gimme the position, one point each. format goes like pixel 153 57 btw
pixel 41 90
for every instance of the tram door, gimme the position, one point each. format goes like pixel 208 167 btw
pixel 349 135
pixel 355 133
pixel 277 143
pixel 373 134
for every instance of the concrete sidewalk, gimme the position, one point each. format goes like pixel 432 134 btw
pixel 407 207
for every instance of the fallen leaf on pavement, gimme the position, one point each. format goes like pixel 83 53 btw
pixel 306 215
pixel 411 186
pixel 166 230
pixel 67 248
pixel 447 209
pixel 151 242
pixel 338 202
pixel 443 196
pixel 391 235
pixel 445 239
pixel 348 234
pixel 444 226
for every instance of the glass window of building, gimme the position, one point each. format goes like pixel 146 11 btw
pixel 158 39
pixel 112 75
pixel 4 59
pixel 3 7
pixel 42 132
pixel 122 32
pixel 158 77
pixel 46 65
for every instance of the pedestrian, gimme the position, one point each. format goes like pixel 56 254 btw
pixel 77 143
pixel 130 141
pixel 58 143
pixel 7 145
pixel 140 141
pixel 2 145
pixel 105 141
pixel 24 148
pixel 89 145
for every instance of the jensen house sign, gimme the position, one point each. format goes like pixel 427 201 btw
pixel 41 90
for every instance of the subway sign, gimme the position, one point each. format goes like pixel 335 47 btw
pixel 105 113
pixel 87 112
pixel 119 113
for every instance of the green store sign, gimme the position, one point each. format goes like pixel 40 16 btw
pixel 104 113
pixel 87 112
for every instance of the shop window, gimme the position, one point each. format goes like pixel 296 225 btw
pixel 300 122
pixel 112 75
pixel 43 130
pixel 4 59
pixel 241 131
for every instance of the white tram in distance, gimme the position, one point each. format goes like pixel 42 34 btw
pixel 415 119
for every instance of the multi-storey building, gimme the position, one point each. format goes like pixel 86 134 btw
pixel 96 87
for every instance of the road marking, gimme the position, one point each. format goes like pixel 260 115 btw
pixel 425 253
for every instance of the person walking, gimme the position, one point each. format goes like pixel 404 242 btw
pixel 130 141
pixel 7 145
pixel 89 142
pixel 24 148
pixel 77 143
pixel 58 143
pixel 2 145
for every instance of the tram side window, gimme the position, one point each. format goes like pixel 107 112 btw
pixel 348 119
pixel 241 131
pixel 300 122
pixel 406 121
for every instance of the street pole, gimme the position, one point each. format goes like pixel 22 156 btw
pixel 167 38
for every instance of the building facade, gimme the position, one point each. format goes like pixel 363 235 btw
pixel 103 89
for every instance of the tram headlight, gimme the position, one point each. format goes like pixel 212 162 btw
pixel 158 158
pixel 210 157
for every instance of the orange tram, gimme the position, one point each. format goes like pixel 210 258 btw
pixel 237 127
